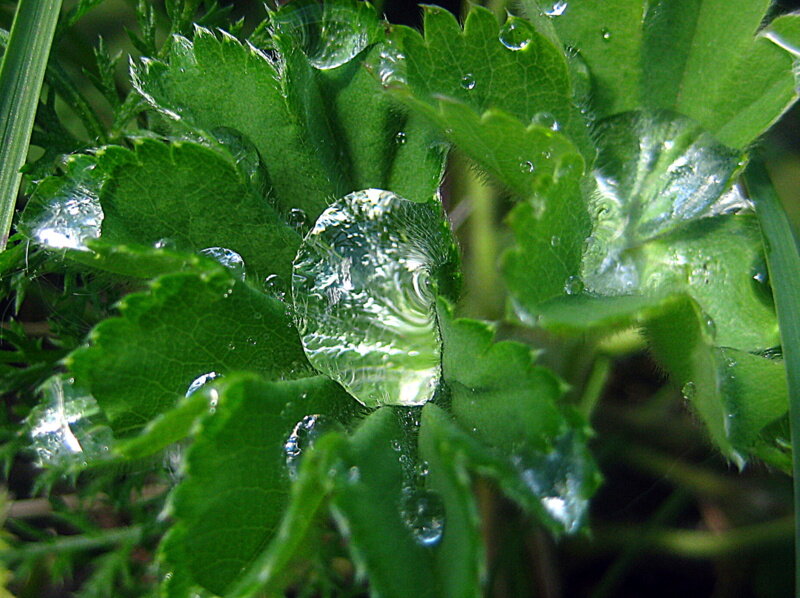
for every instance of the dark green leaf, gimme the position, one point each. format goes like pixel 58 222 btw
pixel 139 364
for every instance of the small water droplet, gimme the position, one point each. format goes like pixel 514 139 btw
pixel 400 138
pixel 573 285
pixel 605 33
pixel 557 9
pixel 516 34
pixel 200 382
pixel 164 243
pixel 689 391
pixel 468 81
pixel 302 438
pixel 298 220
pixel 273 285
pixel 555 241
pixel 527 167
pixel 228 258
pixel 545 119
pixel 424 515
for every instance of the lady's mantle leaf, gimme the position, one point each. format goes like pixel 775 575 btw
pixel 183 194
pixel 236 481
pixel 187 325
pixel 710 60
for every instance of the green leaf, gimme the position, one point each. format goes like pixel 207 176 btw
pixel 182 193
pixel 515 431
pixel 707 59
pixel 366 506
pixel 216 81
pixel 486 67
pixel 188 324
pixel 737 394
pixel 459 557
pixel 497 391
pixel 236 480
pixel 21 75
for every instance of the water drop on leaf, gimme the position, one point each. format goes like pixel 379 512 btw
pixel 573 285
pixel 298 220
pixel 468 81
pixel 364 286
pixel 400 138
pixel 545 119
pixel 557 9
pixel 527 167
pixel 516 34
pixel 605 34
pixel 303 436
pixel 67 427
pixel 424 515
pixel 228 258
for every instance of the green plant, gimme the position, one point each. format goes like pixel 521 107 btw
pixel 251 347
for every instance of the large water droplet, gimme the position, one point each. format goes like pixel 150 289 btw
pixel 559 478
pixel 390 65
pixel 303 436
pixel 331 33
pixel 364 286
pixel 228 258
pixel 424 515
pixel 516 34
pixel 67 427
pixel 73 215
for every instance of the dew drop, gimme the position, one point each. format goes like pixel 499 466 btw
pixel 424 515
pixel 516 34
pixel 273 285
pixel 164 243
pixel 689 391
pixel 302 438
pixel 527 167
pixel 201 381
pixel 468 81
pixel 67 427
pixel 330 34
pixel 605 34
pixel 400 138
pixel 545 119
pixel 573 285
pixel 364 288
pixel 557 9
pixel 228 258
pixel 298 220
pixel 555 241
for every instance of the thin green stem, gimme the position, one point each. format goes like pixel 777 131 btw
pixel 783 262
pixel 21 77
pixel 598 377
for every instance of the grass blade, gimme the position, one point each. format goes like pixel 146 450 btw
pixel 783 261
pixel 21 76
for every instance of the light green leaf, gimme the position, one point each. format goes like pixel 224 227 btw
pixel 737 394
pixel 510 425
pixel 188 324
pixel 216 81
pixel 487 67
pixel 236 481
pixel 707 59
pixel 188 196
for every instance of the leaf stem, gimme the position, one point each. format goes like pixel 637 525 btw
pixel 21 77
pixel 783 262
